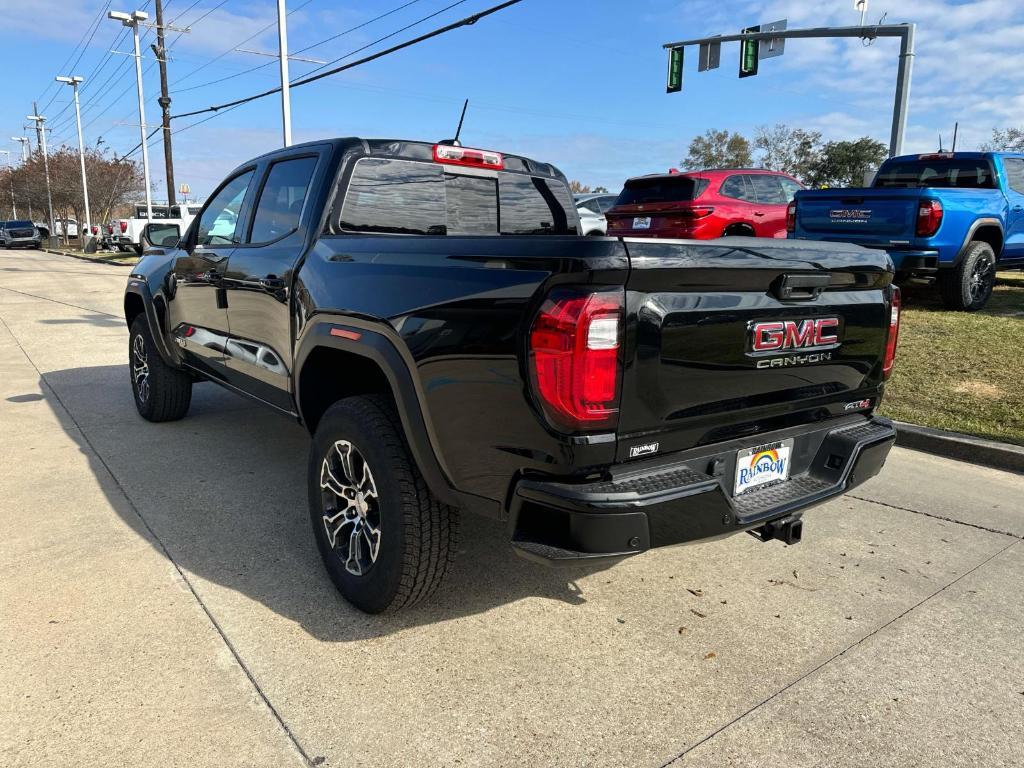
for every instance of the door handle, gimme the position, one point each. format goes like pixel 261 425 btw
pixel 1018 208
pixel 271 283
pixel 759 213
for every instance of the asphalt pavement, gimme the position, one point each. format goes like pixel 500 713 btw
pixel 162 604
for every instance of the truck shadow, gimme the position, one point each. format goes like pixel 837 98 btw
pixel 222 493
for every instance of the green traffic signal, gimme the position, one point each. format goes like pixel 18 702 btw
pixel 675 71
pixel 749 54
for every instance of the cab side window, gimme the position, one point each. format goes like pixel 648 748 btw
pixel 1014 173
pixel 282 198
pixel 219 222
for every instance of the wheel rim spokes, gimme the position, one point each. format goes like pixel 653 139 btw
pixel 140 368
pixel 979 278
pixel 351 508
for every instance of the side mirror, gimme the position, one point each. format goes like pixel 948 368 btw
pixel 162 235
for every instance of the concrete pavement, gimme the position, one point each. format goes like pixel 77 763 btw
pixel 162 603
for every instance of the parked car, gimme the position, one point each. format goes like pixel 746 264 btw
pixel 20 234
pixel 701 205
pixel 591 208
pixel 66 226
pixel 432 317
pixel 957 217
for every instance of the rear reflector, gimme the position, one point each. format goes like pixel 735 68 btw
pixel 574 358
pixel 475 158
pixel 346 334
pixel 894 333
pixel 929 218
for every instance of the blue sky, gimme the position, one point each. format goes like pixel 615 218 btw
pixel 579 83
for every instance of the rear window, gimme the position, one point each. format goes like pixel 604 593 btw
pixel 674 189
pixel 939 172
pixel 406 197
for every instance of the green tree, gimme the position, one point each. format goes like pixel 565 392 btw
pixel 844 163
pixel 790 150
pixel 1005 140
pixel 718 149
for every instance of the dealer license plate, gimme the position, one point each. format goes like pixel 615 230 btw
pixel 768 463
pixel 641 222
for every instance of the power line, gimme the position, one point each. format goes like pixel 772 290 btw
pixel 99 18
pixel 305 80
pixel 242 42
pixel 322 42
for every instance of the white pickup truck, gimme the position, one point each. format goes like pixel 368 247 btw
pixel 129 234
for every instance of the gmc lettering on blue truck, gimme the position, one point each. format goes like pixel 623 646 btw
pixel 955 216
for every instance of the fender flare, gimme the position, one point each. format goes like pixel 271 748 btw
pixel 977 224
pixel 381 344
pixel 140 287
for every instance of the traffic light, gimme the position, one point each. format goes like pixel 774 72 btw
pixel 675 71
pixel 749 54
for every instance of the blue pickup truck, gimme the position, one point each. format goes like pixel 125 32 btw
pixel 955 216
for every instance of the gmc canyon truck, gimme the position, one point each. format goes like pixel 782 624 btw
pixel 432 316
pixel 955 216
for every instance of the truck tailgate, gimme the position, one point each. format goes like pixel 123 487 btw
pixel 717 351
pixel 869 215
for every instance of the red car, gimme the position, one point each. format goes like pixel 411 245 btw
pixel 700 205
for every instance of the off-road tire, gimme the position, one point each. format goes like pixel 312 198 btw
pixel 968 286
pixel 418 534
pixel 169 391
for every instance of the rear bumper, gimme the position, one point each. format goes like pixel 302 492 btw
pixel 690 499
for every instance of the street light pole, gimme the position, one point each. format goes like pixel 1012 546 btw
pixel 132 20
pixel 286 103
pixel 10 171
pixel 73 81
pixel 40 122
pixel 24 146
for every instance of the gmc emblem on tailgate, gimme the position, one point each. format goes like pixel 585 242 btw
pixel 815 336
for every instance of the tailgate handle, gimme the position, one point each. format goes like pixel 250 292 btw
pixel 800 287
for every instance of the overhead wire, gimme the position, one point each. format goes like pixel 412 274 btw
pixel 314 45
pixel 311 78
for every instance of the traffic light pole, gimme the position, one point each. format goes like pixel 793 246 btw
pixel 903 31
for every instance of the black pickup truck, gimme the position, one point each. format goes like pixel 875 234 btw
pixel 431 315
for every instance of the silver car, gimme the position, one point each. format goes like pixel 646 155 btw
pixel 19 234
pixel 591 207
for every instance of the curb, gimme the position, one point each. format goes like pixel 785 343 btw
pixel 954 445
pixel 80 257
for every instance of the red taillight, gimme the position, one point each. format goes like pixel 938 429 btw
pixel 894 334
pixel 791 217
pixel 697 212
pixel 574 358
pixel 929 217
pixel 95 230
pixel 124 226
pixel 475 158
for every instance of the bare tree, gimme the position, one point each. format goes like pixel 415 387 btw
pixel 1005 140
pixel 790 150
pixel 578 187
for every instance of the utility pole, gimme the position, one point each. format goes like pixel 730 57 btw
pixel 39 129
pixel 10 173
pixel 286 103
pixel 164 101
pixel 73 81
pixel 132 20
pixel 39 120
